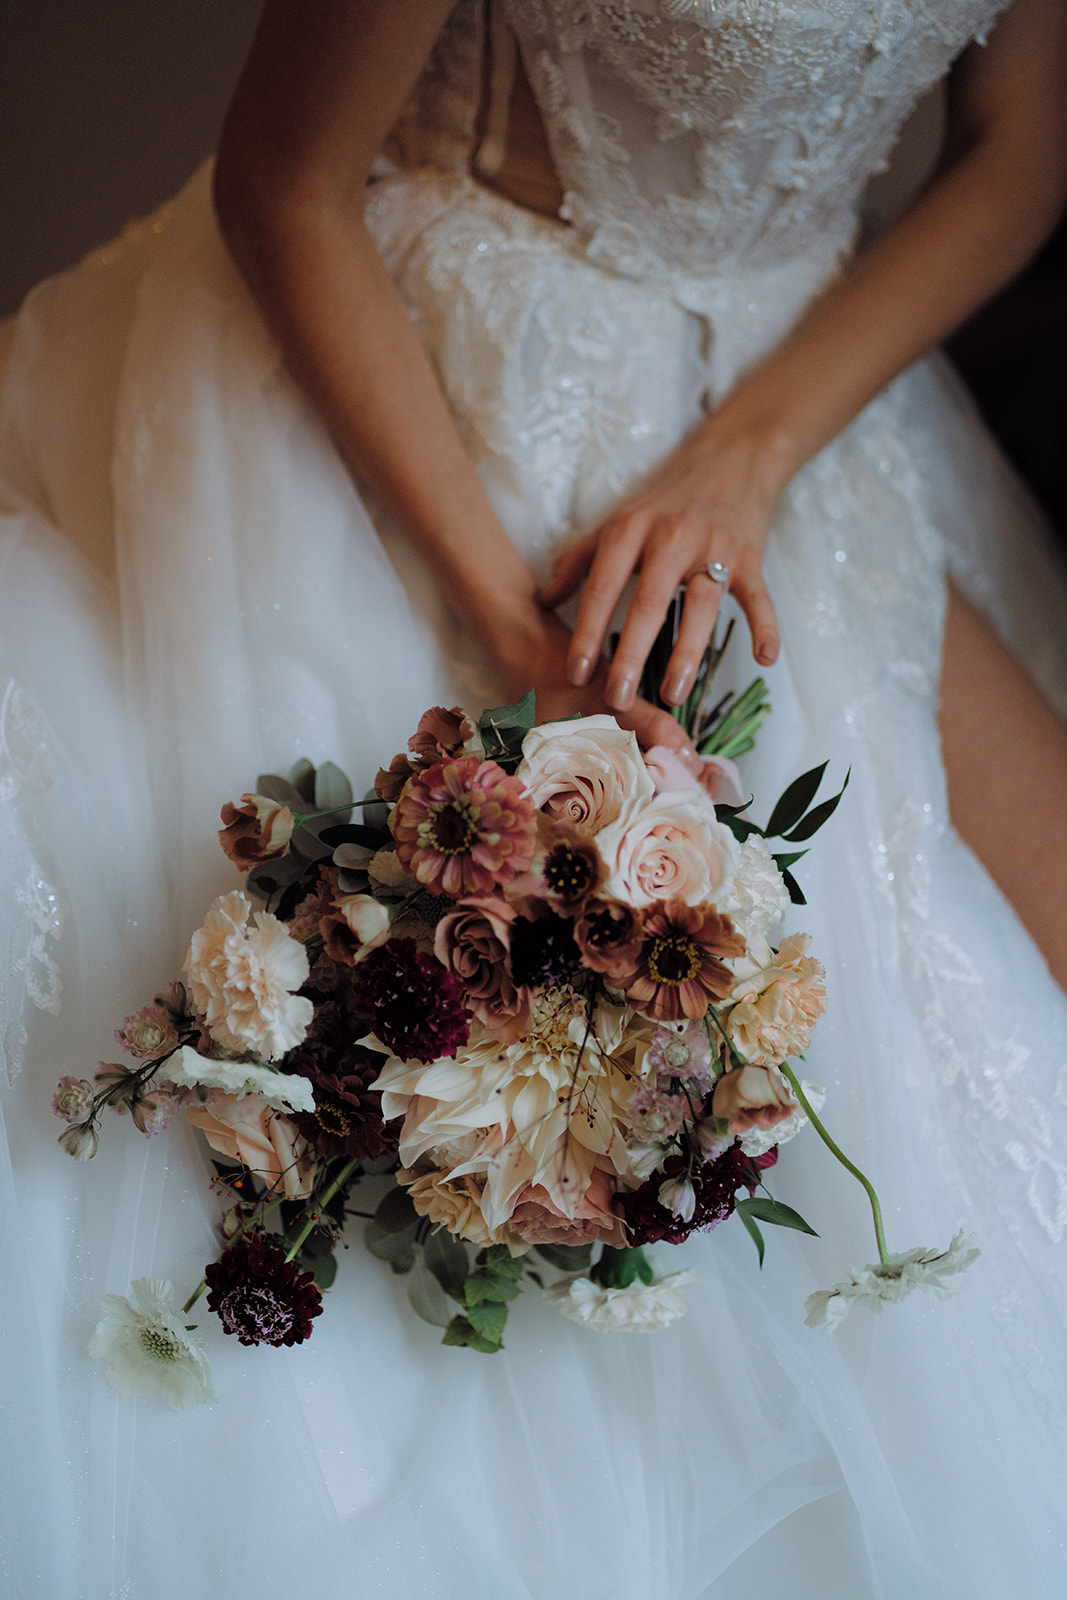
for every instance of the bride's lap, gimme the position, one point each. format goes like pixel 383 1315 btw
pixel 1005 753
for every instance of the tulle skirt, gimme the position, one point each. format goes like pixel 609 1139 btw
pixel 193 592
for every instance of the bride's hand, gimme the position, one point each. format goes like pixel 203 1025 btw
pixel 712 500
pixel 531 653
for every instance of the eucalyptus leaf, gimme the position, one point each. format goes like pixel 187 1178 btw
pixel 764 1209
pixel 333 791
pixel 323 1268
pixel 302 778
pixel 793 803
pixel 428 1299
pixel 446 1257
pixel 395 1212
pixel 280 790
pixel 375 811
pixel 396 1248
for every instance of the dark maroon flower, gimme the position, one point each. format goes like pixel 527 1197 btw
pixel 715 1183
pixel 347 1119
pixel 543 952
pixel 411 1003
pixel 260 1296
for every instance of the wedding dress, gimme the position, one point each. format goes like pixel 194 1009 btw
pixel 192 592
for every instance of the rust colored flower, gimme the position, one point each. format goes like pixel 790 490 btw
pixel 441 735
pixel 680 962
pixel 257 830
pixel 463 827
pixel 390 781
pixel 609 936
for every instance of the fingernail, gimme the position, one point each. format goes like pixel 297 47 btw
pixel 621 696
pixel 768 655
pixel 580 672
pixel 674 691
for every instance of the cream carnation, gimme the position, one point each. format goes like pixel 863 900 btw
pixel 774 1011
pixel 242 979
pixel 669 848
pixel 583 771
pixel 758 898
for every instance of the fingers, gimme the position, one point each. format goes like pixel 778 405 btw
pixel 703 597
pixel 568 571
pixel 669 555
pixel 616 551
pixel 754 599
pixel 653 727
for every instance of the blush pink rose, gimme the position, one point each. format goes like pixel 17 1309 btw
pixel 715 776
pixel 538 1220
pixel 751 1098
pixel 669 848
pixel 245 1128
pixel 583 771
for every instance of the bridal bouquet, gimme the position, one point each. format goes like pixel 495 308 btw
pixel 529 1000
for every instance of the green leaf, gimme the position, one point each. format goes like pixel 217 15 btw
pixel 323 1267
pixel 786 860
pixel 332 789
pixel 753 1231
pixel 302 778
pixel 567 1257
pixel 740 827
pixel 617 1269
pixel 460 1332
pixel 428 1299
pixel 281 790
pixel 503 728
pixel 764 1209
pixel 816 817
pixel 486 1286
pixel 498 1258
pixel 488 1318
pixel 796 893
pixel 396 1248
pixel 395 1212
pixel 795 801
pixel 446 1257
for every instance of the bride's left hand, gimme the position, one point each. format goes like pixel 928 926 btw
pixel 712 500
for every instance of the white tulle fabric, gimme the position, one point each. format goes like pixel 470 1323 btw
pixel 191 592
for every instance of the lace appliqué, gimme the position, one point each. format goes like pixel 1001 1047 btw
pixel 29 971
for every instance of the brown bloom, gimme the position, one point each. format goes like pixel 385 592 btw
pixel 441 735
pixel 473 941
pixel 609 935
pixel 679 965
pixel 257 830
pixel 751 1098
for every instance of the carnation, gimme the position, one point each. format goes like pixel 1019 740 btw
pixel 774 1010
pixel 149 1350
pixel 639 1308
pixel 260 1296
pixel 242 979
pixel 758 898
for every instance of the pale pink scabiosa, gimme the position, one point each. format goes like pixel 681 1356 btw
pixel 681 1050
pixel 260 1296
pixel 242 979
pixel 148 1348
pixel 462 827
pixel 257 830
pixel 679 968
pixel 72 1098
pixel 656 1114
pixel 148 1033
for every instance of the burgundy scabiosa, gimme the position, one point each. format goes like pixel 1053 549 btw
pixel 410 1002
pixel 463 827
pixel 715 1186
pixel 679 966
pixel 260 1296
pixel 543 952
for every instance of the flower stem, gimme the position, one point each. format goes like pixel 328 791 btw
pixel 195 1296
pixel 323 1201
pixel 809 1111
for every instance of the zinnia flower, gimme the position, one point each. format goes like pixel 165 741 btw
pixel 639 1308
pixel 257 830
pixel 884 1283
pixel 412 1004
pixel 679 965
pixel 260 1296
pixel 242 979
pixel 462 827
pixel 149 1350
pixel 608 935
pixel 347 1119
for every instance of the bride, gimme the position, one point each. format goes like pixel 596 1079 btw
pixel 525 314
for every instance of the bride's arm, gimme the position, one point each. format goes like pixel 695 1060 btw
pixel 994 199
pixel 322 86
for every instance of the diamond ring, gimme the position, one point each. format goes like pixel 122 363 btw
pixel 718 572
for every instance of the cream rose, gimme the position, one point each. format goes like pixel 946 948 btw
pixel 249 1130
pixel 775 1010
pixel 583 771
pixel 751 1098
pixel 242 979
pixel 669 848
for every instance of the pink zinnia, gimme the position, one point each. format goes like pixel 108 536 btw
pixel 463 827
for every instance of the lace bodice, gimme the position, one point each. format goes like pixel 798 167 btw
pixel 701 135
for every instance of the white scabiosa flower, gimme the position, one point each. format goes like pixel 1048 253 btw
pixel 639 1308
pixel 883 1284
pixel 147 1348
pixel 285 1091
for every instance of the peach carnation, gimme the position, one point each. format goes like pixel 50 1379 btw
pixel 242 979
pixel 777 1007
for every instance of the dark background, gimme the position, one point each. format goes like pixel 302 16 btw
pixel 106 106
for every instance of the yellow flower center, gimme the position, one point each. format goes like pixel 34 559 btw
pixel 567 871
pixel 449 829
pixel 333 1118
pixel 673 958
pixel 160 1343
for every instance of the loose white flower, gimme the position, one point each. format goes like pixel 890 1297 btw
pixel 679 1196
pixel 758 898
pixel 878 1285
pixel 148 1349
pixel 760 1140
pixel 242 977
pixel 80 1140
pixel 639 1308
pixel 285 1091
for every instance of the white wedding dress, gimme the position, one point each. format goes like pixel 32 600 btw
pixel 192 592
